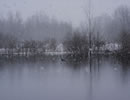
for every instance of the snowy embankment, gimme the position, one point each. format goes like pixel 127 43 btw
pixel 55 53
pixel 28 53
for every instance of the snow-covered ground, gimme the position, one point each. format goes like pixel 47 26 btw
pixel 111 47
pixel 58 51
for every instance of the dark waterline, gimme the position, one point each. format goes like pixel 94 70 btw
pixel 50 78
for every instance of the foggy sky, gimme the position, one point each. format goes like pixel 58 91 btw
pixel 64 10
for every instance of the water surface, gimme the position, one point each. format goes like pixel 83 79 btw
pixel 53 79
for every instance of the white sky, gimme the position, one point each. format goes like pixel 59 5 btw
pixel 66 10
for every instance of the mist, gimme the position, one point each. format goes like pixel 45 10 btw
pixel 64 49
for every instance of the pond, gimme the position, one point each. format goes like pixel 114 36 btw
pixel 106 78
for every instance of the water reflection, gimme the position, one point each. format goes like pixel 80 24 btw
pixel 50 78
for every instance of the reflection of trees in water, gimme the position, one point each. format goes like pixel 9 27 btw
pixel 30 59
pixel 125 68
pixel 74 61
pixel 17 67
pixel 91 66
pixel 2 63
pixel 94 73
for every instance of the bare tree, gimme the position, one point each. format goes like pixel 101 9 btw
pixel 122 14
pixel 76 43
pixel 89 23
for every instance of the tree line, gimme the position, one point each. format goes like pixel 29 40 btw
pixel 40 32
